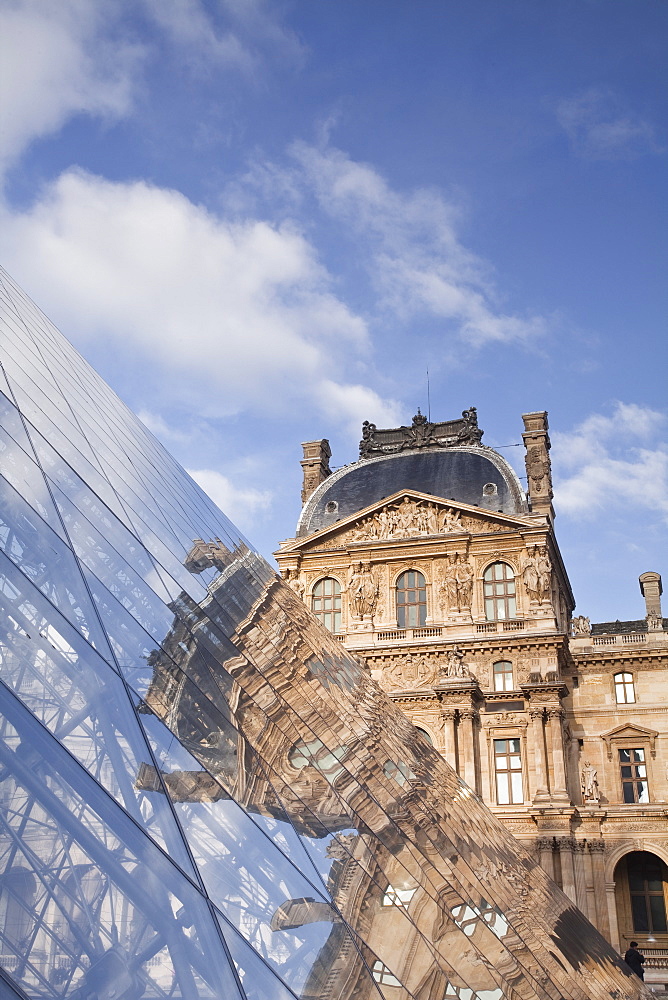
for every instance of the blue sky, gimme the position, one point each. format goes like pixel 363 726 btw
pixel 262 221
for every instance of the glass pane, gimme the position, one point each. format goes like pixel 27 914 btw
pixel 657 908
pixel 502 793
pixel 642 791
pixel 517 787
pixel 639 910
pixel 628 791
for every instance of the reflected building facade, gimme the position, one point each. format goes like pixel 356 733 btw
pixel 428 559
pixel 203 794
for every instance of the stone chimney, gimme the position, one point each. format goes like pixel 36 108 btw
pixel 315 464
pixel 651 590
pixel 537 461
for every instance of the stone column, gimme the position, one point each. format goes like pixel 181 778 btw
pixel 555 717
pixel 566 848
pixel 612 914
pixel 546 854
pixel 596 854
pixel 580 859
pixel 540 790
pixel 449 739
pixel 468 719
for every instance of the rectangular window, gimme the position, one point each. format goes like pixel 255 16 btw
pixel 633 771
pixel 508 772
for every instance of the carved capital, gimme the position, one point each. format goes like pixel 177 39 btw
pixel 449 714
pixel 566 844
pixel 555 713
pixel 469 714
pixel 536 714
pixel 597 846
pixel 545 843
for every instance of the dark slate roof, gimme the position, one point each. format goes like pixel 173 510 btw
pixel 621 628
pixel 452 474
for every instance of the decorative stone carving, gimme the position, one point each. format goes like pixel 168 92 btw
pixel 341 847
pixel 589 783
pixel 654 622
pixel 406 519
pixel 454 665
pixel 421 434
pixel 362 590
pixel 293 580
pixel 537 574
pixel 409 672
pixel 580 625
pixel 456 585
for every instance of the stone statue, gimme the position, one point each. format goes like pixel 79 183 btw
pixel 464 580
pixel 589 783
pixel 368 435
pixel 448 587
pixel 454 665
pixel 470 432
pixel 544 567
pixel 363 590
pixel 581 625
pixel 537 574
pixel 450 520
pixel 292 580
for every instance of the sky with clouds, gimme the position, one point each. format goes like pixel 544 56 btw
pixel 263 221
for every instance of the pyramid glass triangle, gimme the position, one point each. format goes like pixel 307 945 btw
pixel 203 796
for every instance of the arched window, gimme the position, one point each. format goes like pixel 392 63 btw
pixel 647 877
pixel 326 603
pixel 411 600
pixel 503 676
pixel 624 690
pixel 499 591
pixel 425 734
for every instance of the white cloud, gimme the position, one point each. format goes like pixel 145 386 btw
pixel 158 426
pixel 599 128
pixel 56 62
pixel 241 504
pixel 412 249
pixel 613 462
pixel 236 316
pixel 187 24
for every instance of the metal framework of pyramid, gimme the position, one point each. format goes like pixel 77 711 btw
pixel 202 795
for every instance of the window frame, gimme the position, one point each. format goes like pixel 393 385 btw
pixel 624 685
pixel 334 611
pixel 503 676
pixel 509 771
pixel 403 620
pixel 633 780
pixel 499 592
pixel 646 893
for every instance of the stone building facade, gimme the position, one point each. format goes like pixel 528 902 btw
pixel 428 560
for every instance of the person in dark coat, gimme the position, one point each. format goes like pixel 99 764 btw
pixel 635 960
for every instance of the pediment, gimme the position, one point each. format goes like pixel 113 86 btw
pixel 627 733
pixel 410 514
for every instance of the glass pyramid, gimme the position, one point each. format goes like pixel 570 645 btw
pixel 202 795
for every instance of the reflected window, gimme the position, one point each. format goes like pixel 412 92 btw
pixel 499 592
pixel 326 603
pixel 647 877
pixel 633 771
pixel 382 975
pixel 315 754
pixel 401 772
pixel 411 600
pixel 508 772
pixel 624 691
pixel 394 896
pixel 503 676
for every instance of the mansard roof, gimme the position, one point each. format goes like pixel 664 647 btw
pixel 472 474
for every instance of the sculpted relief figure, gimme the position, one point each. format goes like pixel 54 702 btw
pixel 454 665
pixel 589 783
pixel 406 520
pixel 292 580
pixel 408 672
pixel 537 574
pixel 456 588
pixel 362 590
pixel 581 625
